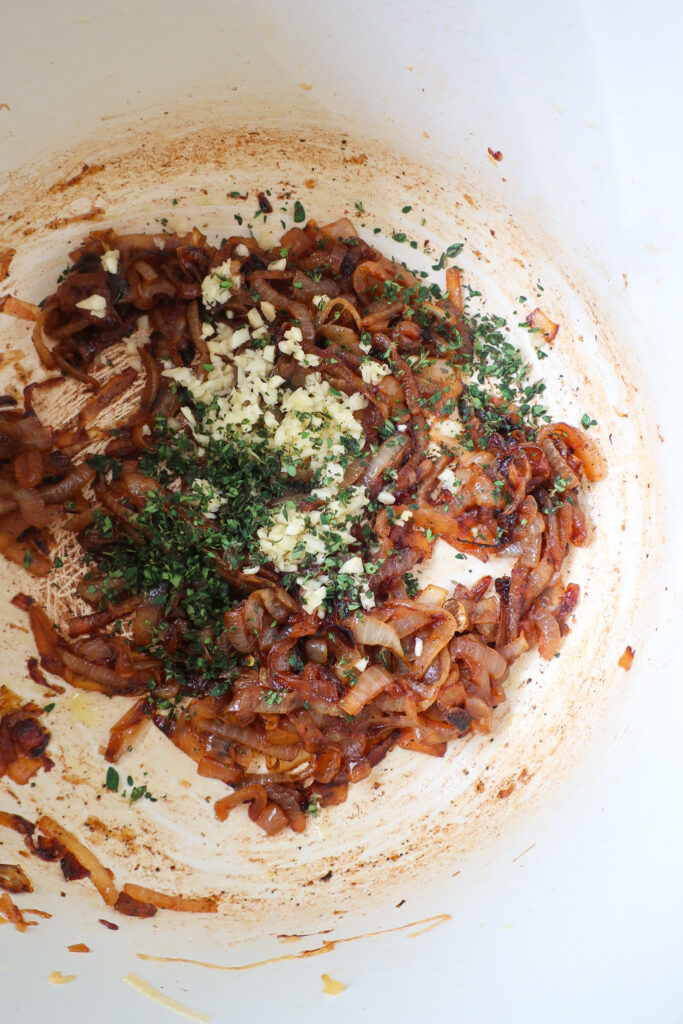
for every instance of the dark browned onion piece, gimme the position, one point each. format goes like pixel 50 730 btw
pixel 55 494
pixel 14 879
pixel 101 678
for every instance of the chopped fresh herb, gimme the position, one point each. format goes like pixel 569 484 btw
pixel 313 806
pixel 296 662
pixel 112 779
pixel 412 584
pixel 299 212
pixel 104 463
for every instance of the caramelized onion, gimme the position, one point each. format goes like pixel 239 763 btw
pixel 101 877
pixel 165 901
pixel 372 631
pixel 55 494
pixel 284 701
pixel 373 681
pixel 99 677
pixel 14 879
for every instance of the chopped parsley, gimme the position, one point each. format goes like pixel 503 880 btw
pixel 412 584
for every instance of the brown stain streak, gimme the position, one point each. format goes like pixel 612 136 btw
pixel 523 852
pixel 6 257
pixel 61 222
pixel 85 172
pixel 326 947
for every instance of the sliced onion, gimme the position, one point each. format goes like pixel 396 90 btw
pixel 165 901
pixel 432 595
pixel 540 321
pixel 454 288
pixel 28 432
pixel 106 395
pixel 145 621
pixel 479 710
pixel 101 877
pixel 531 533
pixel 405 619
pixel 11 912
pixel 388 456
pixel 260 278
pixel 19 309
pixel 559 465
pixel 338 230
pixel 473 651
pixel 373 681
pixel 248 736
pixel 236 631
pixel 370 630
pixel 289 804
pixel 101 678
pixel 243 795
pixel 144 270
pixel 549 635
pixel 44 353
pixel 32 507
pixel 55 494
pixel 14 879
pixel 303 315
pixel 515 648
pixel 343 338
pixel 125 904
pixel 316 649
pixel 126 730
pixel 438 638
pixel 29 468
pixel 272 819
pixel 585 450
pixel 340 303
pixel 410 740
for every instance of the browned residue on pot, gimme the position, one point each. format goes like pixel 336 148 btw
pixel 423 926
pixel 427 816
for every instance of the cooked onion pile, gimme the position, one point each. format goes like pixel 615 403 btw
pixel 312 419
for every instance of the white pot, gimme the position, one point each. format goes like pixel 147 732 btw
pixel 542 866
